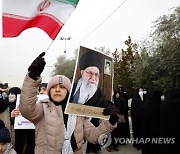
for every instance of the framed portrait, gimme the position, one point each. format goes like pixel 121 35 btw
pixel 92 86
pixel 107 67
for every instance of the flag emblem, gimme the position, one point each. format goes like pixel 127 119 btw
pixel 44 5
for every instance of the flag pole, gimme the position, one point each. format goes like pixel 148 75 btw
pixel 49 46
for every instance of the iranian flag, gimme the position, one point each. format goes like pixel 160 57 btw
pixel 48 15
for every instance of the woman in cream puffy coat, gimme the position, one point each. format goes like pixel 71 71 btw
pixel 56 132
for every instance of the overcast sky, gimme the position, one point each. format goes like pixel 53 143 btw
pixel 94 23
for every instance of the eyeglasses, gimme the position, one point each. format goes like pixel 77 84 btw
pixel 91 74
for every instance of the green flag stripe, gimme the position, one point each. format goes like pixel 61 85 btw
pixel 72 2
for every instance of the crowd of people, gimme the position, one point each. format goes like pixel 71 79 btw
pixel 152 115
pixel 22 140
pixel 155 119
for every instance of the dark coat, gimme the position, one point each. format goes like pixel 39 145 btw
pixel 4 104
pixel 151 122
pixel 170 122
pixel 122 129
pixel 137 113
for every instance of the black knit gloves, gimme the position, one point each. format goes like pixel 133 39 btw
pixel 112 111
pixel 37 66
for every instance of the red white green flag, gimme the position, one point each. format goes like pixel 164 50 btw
pixel 48 15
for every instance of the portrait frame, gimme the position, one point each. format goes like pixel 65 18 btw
pixel 105 85
pixel 108 67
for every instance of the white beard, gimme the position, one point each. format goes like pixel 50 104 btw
pixel 87 90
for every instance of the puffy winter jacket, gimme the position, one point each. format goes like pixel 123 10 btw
pixel 49 123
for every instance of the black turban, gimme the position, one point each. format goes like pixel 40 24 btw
pixel 90 59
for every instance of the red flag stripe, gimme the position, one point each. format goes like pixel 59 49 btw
pixel 46 22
